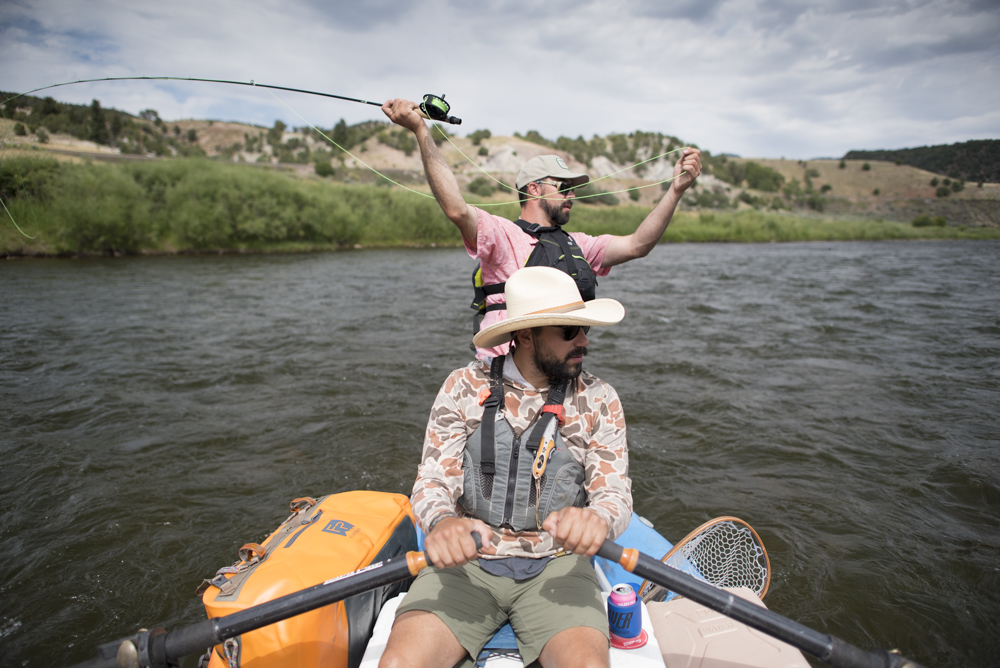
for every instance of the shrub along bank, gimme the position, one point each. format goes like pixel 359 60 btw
pixel 180 205
pixel 199 205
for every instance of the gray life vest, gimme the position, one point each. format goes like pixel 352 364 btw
pixel 497 464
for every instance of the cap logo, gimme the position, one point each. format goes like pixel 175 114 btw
pixel 559 161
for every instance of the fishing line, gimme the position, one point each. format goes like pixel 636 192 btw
pixel 322 134
pixel 430 105
pixel 15 222
pixel 30 208
pixel 434 107
pixel 546 197
pixel 480 205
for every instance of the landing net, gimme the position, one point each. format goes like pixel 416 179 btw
pixel 725 552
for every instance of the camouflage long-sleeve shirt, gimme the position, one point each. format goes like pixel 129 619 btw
pixel 594 431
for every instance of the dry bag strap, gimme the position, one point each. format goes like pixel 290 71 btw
pixel 552 409
pixel 492 404
pixel 252 552
pixel 304 502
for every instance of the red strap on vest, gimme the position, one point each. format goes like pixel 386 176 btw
pixel 557 409
pixel 484 394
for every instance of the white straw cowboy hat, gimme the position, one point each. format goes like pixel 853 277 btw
pixel 538 296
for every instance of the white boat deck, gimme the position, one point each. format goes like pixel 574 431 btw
pixel 692 636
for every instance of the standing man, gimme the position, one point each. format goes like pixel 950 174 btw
pixel 529 452
pixel 545 188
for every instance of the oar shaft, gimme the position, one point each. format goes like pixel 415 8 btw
pixel 169 646
pixel 825 647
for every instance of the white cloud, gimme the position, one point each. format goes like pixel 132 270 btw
pixel 765 78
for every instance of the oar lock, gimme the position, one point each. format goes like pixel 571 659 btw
pixel 436 109
pixel 134 651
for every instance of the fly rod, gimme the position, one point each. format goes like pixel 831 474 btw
pixel 433 107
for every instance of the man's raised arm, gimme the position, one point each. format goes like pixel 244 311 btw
pixel 647 235
pixel 439 175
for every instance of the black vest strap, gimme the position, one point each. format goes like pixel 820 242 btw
pixel 555 232
pixel 492 404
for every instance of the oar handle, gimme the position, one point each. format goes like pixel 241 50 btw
pixel 826 648
pixel 156 647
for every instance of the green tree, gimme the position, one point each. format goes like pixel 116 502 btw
pixel 275 134
pixel 340 134
pixel 439 133
pixel 535 138
pixel 116 125
pixel 98 128
pixel 479 135
pixel 761 177
pixel 481 186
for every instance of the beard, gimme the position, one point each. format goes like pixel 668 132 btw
pixel 556 369
pixel 555 211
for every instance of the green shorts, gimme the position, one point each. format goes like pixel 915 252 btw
pixel 474 604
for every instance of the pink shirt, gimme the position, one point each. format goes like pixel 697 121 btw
pixel 503 248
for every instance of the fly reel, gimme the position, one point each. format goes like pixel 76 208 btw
pixel 436 109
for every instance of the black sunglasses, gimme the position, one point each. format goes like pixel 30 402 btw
pixel 569 332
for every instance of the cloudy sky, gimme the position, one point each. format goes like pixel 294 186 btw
pixel 762 78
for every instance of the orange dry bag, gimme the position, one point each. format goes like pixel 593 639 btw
pixel 322 539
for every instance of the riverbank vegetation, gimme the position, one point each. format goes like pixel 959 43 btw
pixel 197 205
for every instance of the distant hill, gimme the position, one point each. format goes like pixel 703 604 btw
pixel 977 160
pixel 131 135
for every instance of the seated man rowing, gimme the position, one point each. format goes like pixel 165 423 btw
pixel 529 452
pixel 545 190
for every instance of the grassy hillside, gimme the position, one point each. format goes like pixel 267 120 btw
pixel 977 160
pixel 194 205
pixel 845 189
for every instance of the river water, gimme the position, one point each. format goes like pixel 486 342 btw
pixel 157 413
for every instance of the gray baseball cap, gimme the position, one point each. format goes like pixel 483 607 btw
pixel 546 166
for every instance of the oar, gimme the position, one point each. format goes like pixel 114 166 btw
pixel 826 648
pixel 157 648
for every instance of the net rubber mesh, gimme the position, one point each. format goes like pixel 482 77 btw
pixel 725 552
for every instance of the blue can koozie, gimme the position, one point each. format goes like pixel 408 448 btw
pixel 625 618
